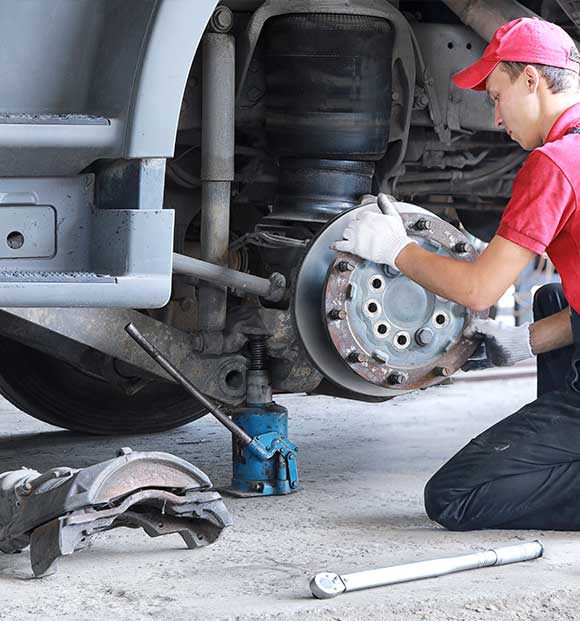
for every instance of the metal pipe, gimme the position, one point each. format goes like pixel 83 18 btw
pixel 327 585
pixel 217 169
pixel 486 16
pixel 271 289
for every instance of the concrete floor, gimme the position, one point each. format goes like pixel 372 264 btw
pixel 363 468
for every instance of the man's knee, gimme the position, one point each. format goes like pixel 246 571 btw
pixel 439 503
pixel 548 300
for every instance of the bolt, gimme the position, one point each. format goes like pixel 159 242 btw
pixel 356 356
pixel 290 457
pixel 345 266
pixel 396 378
pixel 422 225
pixel 222 19
pixel 124 451
pixel 424 337
pixel 293 485
pixel 460 248
pixel 442 371
pixel 337 314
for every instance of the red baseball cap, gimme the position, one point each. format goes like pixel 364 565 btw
pixel 525 40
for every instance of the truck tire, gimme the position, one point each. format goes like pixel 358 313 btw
pixel 55 392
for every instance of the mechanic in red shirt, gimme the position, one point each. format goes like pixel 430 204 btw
pixel 524 472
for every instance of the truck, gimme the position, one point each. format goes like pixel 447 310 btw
pixel 184 165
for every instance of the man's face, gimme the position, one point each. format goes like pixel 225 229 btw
pixel 516 107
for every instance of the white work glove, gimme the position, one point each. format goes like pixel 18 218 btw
pixel 504 345
pixel 377 237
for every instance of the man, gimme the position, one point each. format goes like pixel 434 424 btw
pixel 523 472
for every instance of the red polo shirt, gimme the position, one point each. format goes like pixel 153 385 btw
pixel 544 211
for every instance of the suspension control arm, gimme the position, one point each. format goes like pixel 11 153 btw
pixel 272 288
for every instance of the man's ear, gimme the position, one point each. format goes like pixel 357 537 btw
pixel 532 77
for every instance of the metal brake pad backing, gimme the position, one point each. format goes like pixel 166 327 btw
pixel 58 512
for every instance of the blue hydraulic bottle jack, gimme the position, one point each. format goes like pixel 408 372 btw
pixel 267 423
pixel 264 460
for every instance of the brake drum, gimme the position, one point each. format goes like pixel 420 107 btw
pixel 371 330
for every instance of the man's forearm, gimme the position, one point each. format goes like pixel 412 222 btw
pixel 552 332
pixel 477 284
pixel 446 277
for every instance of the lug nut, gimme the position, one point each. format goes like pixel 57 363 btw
pixel 424 337
pixel 222 19
pixel 337 314
pixel 356 356
pixel 396 378
pixel 422 225
pixel 345 266
pixel 442 371
pixel 460 248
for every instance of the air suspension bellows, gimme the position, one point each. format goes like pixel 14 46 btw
pixel 329 85
pixel 315 190
pixel 328 107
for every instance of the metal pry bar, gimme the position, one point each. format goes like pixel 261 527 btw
pixel 224 419
pixel 326 585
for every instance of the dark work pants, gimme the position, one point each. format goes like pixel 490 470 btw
pixel 524 472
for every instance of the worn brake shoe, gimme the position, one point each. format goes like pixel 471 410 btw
pixel 57 512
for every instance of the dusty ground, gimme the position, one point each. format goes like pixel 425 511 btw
pixel 363 468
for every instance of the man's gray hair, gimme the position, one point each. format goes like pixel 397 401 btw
pixel 558 80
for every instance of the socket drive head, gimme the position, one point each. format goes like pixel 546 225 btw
pixel 326 585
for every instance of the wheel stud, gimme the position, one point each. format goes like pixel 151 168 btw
pixel 356 356
pixel 345 266
pixel 422 225
pixel 336 314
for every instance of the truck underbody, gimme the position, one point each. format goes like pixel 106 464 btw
pixel 139 136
